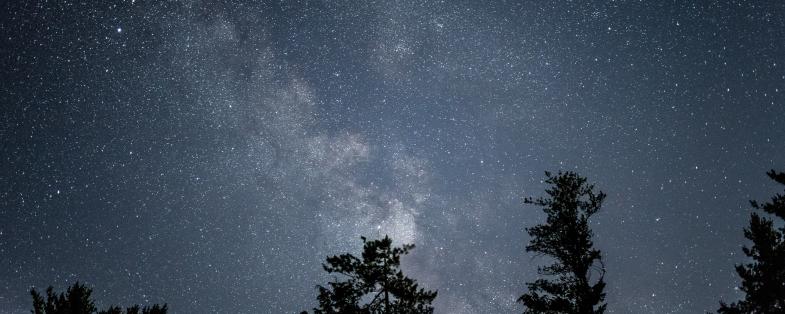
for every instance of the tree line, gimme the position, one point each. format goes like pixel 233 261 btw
pixel 78 300
pixel 573 284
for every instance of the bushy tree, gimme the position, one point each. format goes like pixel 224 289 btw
pixel 78 300
pixel 763 279
pixel 373 283
pixel 155 309
pixel 567 238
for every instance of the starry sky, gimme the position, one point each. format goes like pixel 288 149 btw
pixel 211 154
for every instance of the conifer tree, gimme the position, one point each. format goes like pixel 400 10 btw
pixel 566 237
pixel 373 283
pixel 763 279
pixel 78 300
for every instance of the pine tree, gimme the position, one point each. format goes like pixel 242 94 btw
pixel 373 284
pixel 763 279
pixel 78 300
pixel 567 238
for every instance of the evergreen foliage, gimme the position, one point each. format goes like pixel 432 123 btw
pixel 763 279
pixel 373 283
pixel 567 239
pixel 78 300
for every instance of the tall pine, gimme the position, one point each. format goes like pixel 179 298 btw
pixel 763 279
pixel 373 283
pixel 566 237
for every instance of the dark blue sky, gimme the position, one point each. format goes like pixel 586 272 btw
pixel 211 154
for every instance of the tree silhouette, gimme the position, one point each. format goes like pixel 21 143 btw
pixel 373 284
pixel 77 300
pixel 155 309
pixel 763 280
pixel 567 238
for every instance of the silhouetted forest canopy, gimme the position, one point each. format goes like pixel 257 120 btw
pixel 574 283
pixel 78 300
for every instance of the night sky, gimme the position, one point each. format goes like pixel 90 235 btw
pixel 210 155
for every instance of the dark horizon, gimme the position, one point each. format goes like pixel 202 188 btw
pixel 210 155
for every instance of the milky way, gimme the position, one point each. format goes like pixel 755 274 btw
pixel 211 154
